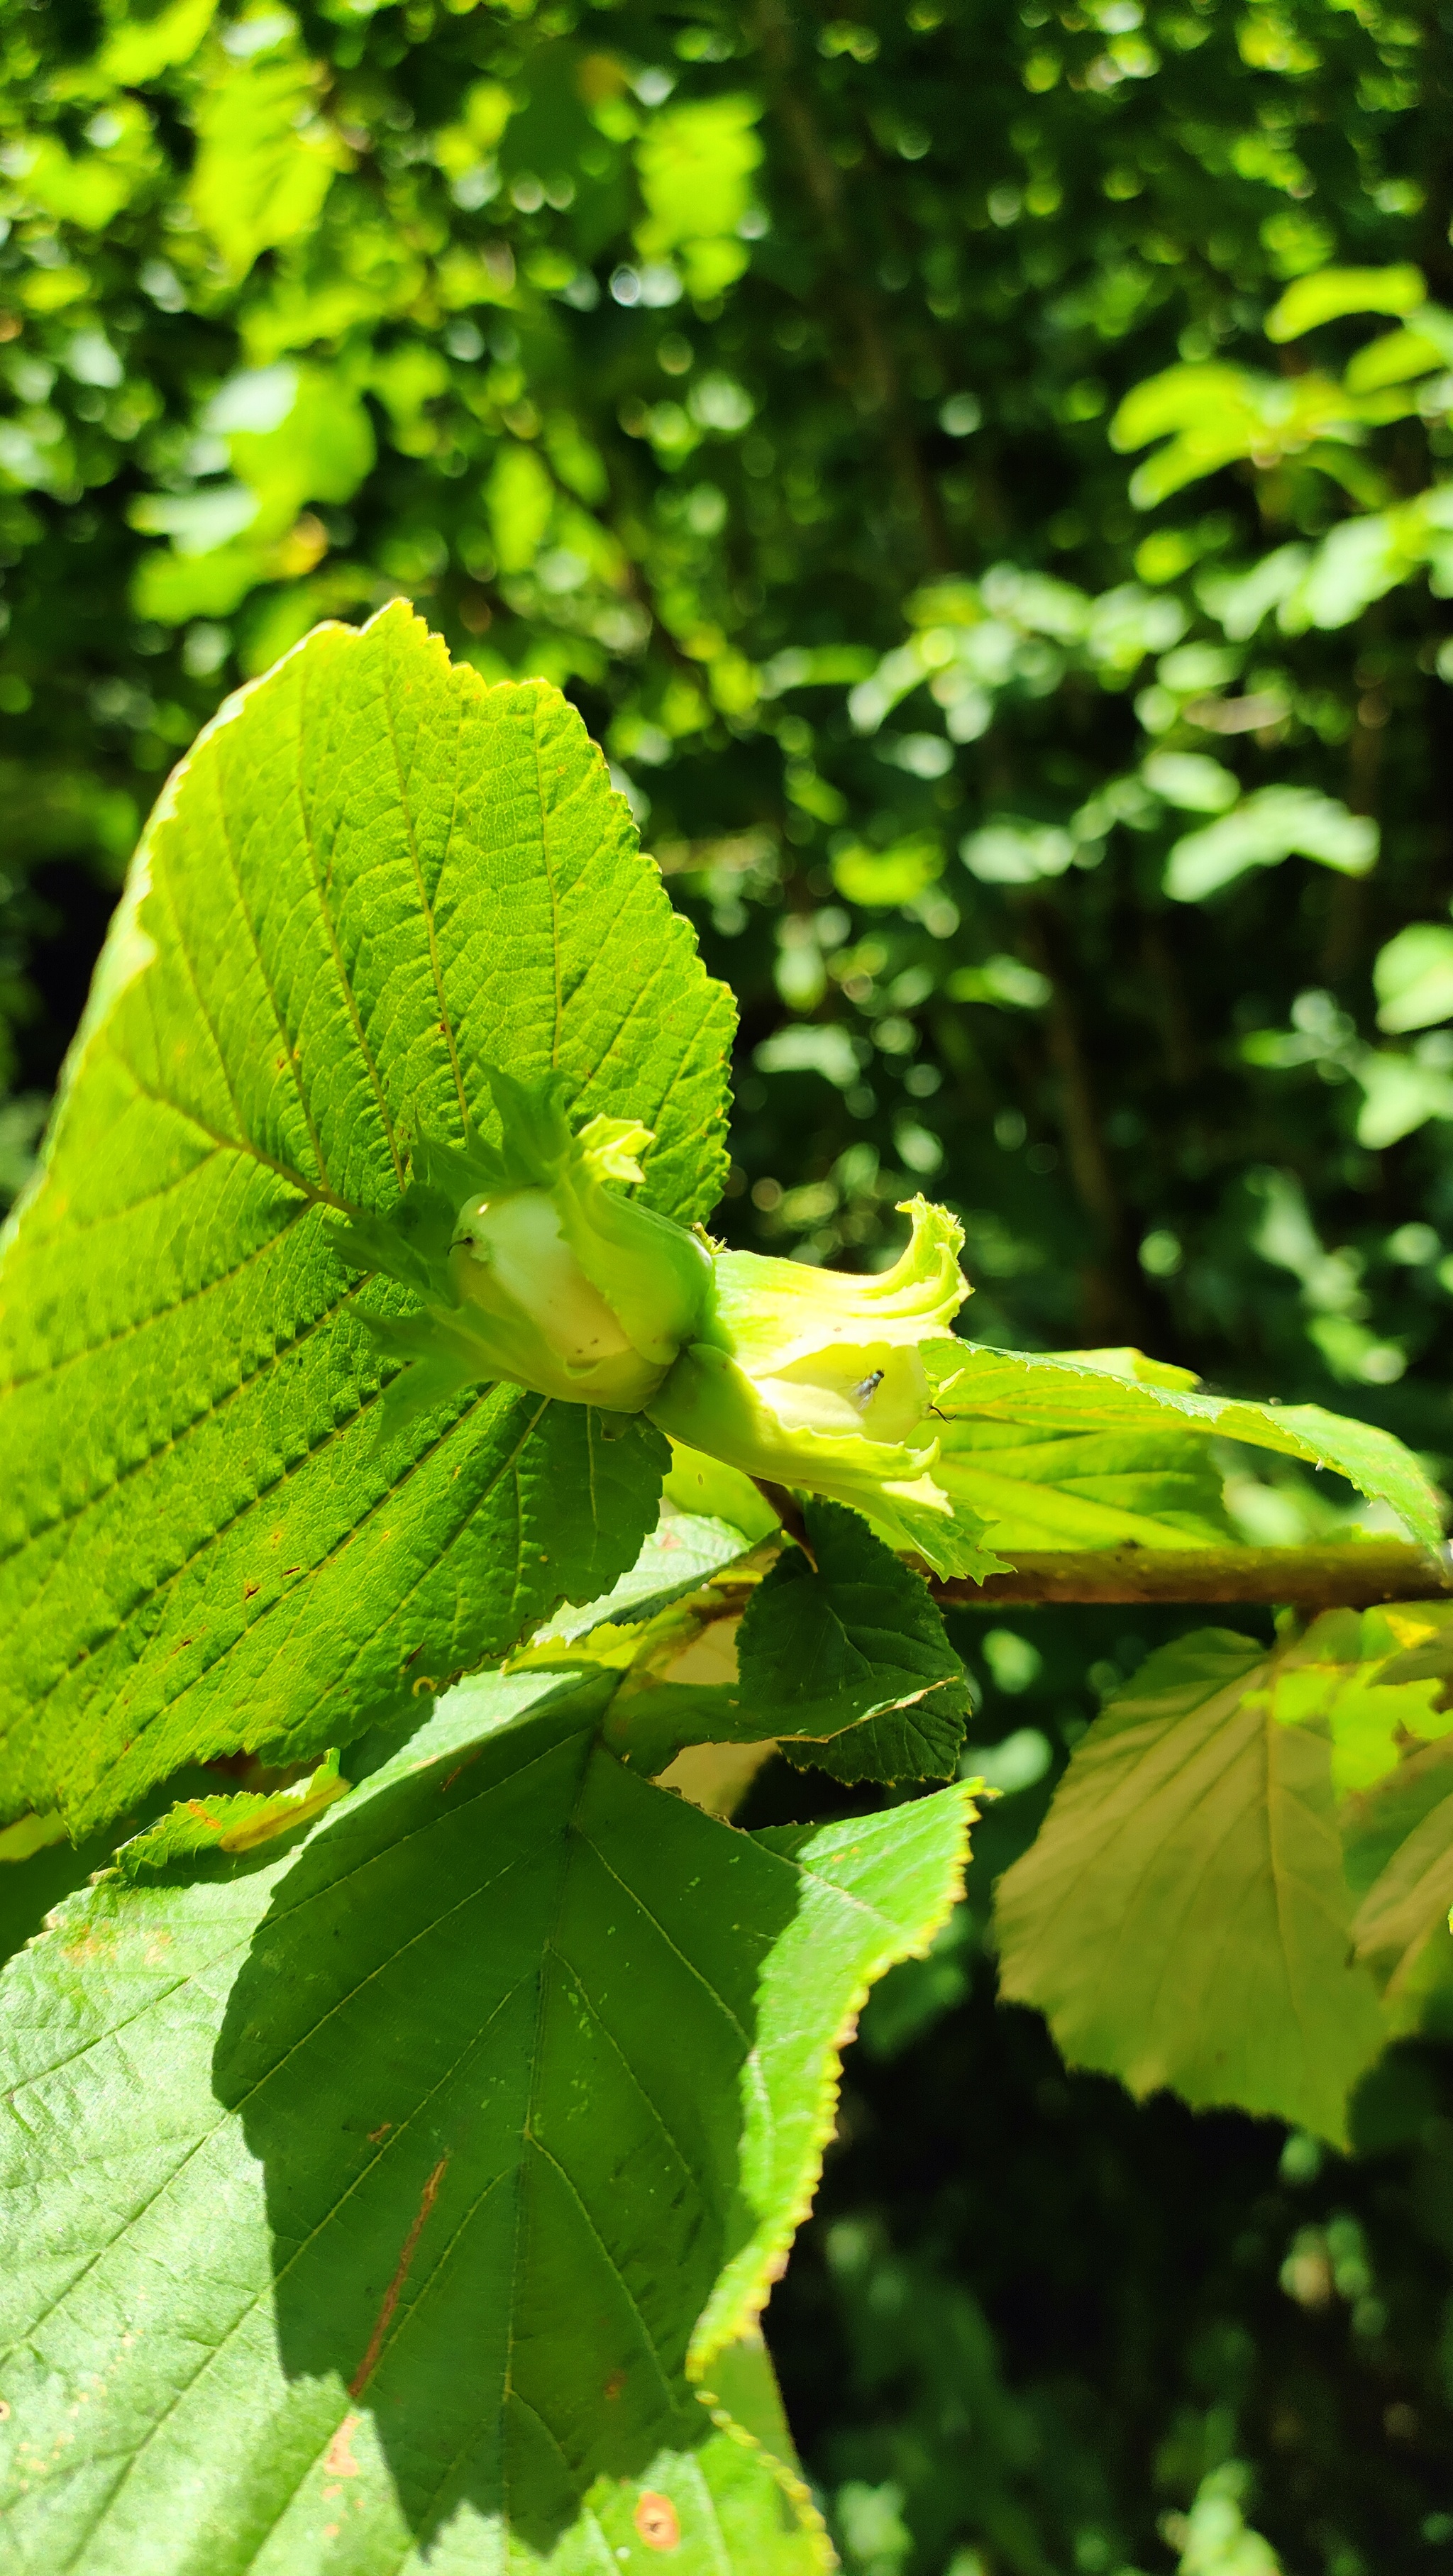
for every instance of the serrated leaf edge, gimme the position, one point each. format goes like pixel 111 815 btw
pixel 736 2304
pixel 791 2484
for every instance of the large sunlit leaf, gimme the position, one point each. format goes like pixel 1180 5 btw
pixel 1183 1919
pixel 372 876
pixel 433 2167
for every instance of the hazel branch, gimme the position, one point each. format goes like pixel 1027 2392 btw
pixel 1354 1575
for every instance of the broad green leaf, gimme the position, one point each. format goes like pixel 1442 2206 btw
pixel 429 2168
pixel 1413 977
pixel 1183 1918
pixel 855 1638
pixel 1121 1394
pixel 371 876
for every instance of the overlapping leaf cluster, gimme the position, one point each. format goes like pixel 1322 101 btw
pixel 376 897
pixel 564 2192
pixel 637 346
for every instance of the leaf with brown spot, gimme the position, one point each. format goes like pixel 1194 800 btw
pixel 450 2153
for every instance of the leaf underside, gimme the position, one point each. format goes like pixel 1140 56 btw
pixel 372 876
pixel 1183 1919
pixel 433 2170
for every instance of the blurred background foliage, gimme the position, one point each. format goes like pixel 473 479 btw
pixel 983 472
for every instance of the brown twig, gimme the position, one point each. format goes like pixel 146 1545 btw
pixel 1351 1576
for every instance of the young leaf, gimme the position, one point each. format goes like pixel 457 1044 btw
pixel 1183 1918
pixel 1057 1487
pixel 857 1639
pixel 371 877
pixel 429 2164
pixel 1081 1391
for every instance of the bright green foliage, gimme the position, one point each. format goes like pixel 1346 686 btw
pixel 695 164
pixel 1215 415
pixel 1413 977
pixel 1062 1487
pixel 856 1643
pixel 1085 1483
pixel 1329 293
pixel 1183 1918
pixel 1263 830
pixel 1021 1400
pixel 749 375
pixel 473 2131
pixel 266 159
pixel 1374 1678
pixel 1379 1682
pixel 720 512
pixel 372 879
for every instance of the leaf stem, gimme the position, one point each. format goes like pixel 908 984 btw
pixel 789 1513
pixel 1351 1575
